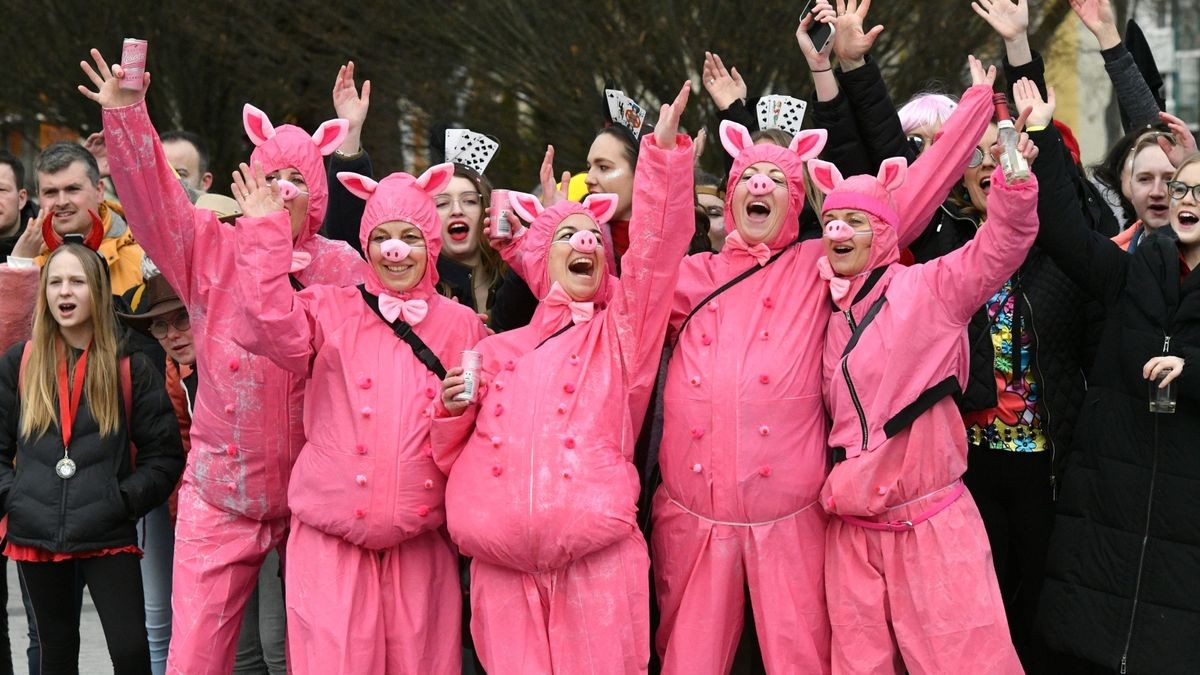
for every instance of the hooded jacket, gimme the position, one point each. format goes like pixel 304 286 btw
pixel 365 473
pixel 897 350
pixel 246 428
pixel 541 468
pixel 744 425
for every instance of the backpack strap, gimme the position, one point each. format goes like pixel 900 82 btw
pixel 126 375
pixel 405 332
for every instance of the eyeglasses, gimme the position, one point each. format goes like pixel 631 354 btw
pixel 1178 190
pixel 976 158
pixel 467 200
pixel 917 143
pixel 180 322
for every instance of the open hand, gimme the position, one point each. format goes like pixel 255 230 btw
pixel 1098 17
pixel 109 93
pixel 29 244
pixel 850 43
pixel 550 194
pixel 350 105
pixel 254 193
pixel 668 118
pixel 1009 18
pixel 978 74
pixel 1185 142
pixel 1026 95
pixel 724 86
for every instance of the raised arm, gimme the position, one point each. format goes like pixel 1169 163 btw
pixel 659 232
pixel 345 210
pixel 156 206
pixel 832 108
pixel 274 322
pixel 937 170
pixel 1129 86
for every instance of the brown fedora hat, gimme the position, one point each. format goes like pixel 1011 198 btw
pixel 147 302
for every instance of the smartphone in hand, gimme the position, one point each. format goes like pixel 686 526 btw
pixel 819 33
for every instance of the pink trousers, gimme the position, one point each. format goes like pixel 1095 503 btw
pixel 353 610
pixel 590 617
pixel 702 570
pixel 217 558
pixel 925 600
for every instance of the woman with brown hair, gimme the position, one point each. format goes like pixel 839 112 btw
pixel 75 412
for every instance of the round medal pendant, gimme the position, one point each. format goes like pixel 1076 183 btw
pixel 65 468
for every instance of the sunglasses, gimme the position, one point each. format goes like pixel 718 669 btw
pixel 180 322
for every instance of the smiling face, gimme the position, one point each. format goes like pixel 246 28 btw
pixel 67 292
pixel 1185 211
pixel 297 208
pixel 610 171
pixel 848 258
pixel 70 194
pixel 760 202
pixel 978 179
pixel 460 209
pixel 579 273
pixel 398 275
pixel 1149 173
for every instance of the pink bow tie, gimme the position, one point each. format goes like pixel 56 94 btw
pixel 760 251
pixel 300 260
pixel 413 311
pixel 839 287
pixel 580 311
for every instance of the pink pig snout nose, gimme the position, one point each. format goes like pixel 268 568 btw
pixel 394 250
pixel 838 231
pixel 584 241
pixel 287 190
pixel 760 185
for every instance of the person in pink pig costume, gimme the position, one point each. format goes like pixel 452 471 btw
pixel 743 454
pixel 372 578
pixel 247 426
pixel 542 488
pixel 908 571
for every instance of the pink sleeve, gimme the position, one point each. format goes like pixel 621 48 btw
pixel 964 279
pixel 19 288
pixel 935 172
pixel 160 216
pixel 663 222
pixel 275 322
pixel 448 435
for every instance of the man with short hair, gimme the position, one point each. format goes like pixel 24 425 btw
pixel 72 196
pixel 1149 172
pixel 15 206
pixel 187 154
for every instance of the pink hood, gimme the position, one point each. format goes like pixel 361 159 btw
pixel 401 197
pixel 533 248
pixel 291 146
pixel 805 146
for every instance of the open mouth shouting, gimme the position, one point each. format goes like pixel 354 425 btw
pixel 582 266
pixel 1186 221
pixel 66 309
pixel 458 230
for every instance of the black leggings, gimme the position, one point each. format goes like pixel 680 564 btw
pixel 115 583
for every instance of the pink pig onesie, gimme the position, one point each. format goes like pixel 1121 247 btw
pixel 372 579
pixel 909 577
pixel 542 489
pixel 246 429
pixel 743 452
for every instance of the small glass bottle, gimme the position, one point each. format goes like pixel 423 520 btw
pixel 1012 163
pixel 471 362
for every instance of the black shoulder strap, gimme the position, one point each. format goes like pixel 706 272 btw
pixel 555 334
pixel 405 332
pixel 863 323
pixel 731 283
pixel 296 285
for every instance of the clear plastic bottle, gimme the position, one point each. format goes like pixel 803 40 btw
pixel 1012 163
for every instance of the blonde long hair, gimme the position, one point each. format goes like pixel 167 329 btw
pixel 39 384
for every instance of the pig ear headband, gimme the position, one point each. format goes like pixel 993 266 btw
pixel 330 135
pixel 436 178
pixel 360 186
pixel 892 173
pixel 258 127
pixel 601 206
pixel 526 205
pixel 809 143
pixel 735 138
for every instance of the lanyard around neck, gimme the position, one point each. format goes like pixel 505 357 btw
pixel 68 400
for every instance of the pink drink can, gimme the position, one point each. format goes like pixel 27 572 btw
pixel 501 216
pixel 133 63
pixel 472 361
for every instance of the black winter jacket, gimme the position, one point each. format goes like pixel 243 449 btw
pixel 1122 584
pixel 100 505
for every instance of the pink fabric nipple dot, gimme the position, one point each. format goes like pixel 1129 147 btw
pixel 499 385
pixel 367 411
pixel 232 487
pixel 497 470
pixel 495 441
pixel 562 408
pixel 422 510
pixel 569 442
pixel 764 471
pixel 231 450
pixel 233 364
pixel 430 392
pixel 569 388
pixel 712 305
pixel 428 484
pixel 364 382
pixel 697 433
pixel 229 409
pixel 763 430
pixel 766 335
pixel 360 449
pixel 499 410
pixel 706 340
pixel 574 360
pixel 509 365
pixel 881 490
pixel 360 479
pixel 696 468
pixel 359 513
pixel 566 475
pixel 695 380
pixel 768 303
pixel 764 378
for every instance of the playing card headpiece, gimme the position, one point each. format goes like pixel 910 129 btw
pixel 470 149
pixel 625 111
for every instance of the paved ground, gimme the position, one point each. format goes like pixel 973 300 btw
pixel 93 654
